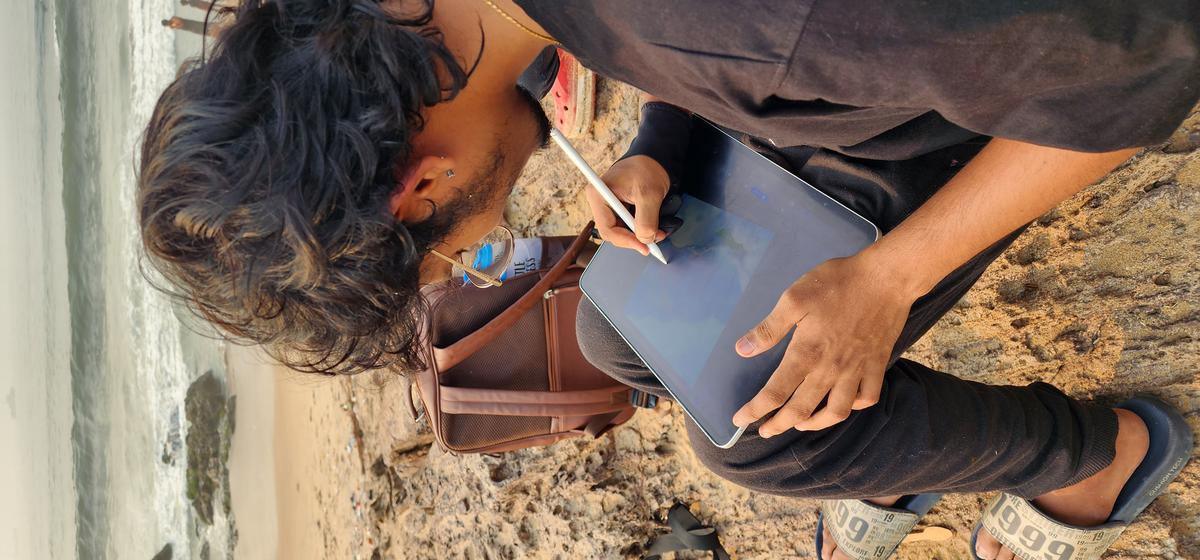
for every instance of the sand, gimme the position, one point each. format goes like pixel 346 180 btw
pixel 1099 298
pixel 252 453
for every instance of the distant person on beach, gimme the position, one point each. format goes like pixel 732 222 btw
pixel 188 25
pixel 292 187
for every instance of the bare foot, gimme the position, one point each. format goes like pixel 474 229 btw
pixel 829 549
pixel 1090 501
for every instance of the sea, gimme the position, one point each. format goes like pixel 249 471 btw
pixel 97 361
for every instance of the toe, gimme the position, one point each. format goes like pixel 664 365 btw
pixel 827 546
pixel 839 555
pixel 986 547
pixel 1005 554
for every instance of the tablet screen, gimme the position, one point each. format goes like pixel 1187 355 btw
pixel 713 256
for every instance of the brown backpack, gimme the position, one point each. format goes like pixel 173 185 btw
pixel 504 369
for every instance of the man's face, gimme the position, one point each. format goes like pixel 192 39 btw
pixel 492 144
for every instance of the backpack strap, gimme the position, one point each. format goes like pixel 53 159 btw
pixel 452 355
pixel 503 402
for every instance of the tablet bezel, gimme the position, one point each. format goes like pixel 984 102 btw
pixel 709 144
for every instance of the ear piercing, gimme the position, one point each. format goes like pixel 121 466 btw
pixel 449 172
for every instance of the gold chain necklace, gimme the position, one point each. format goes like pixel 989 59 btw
pixel 514 21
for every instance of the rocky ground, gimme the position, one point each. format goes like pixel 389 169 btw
pixel 1099 298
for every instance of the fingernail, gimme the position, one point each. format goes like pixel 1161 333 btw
pixel 645 252
pixel 745 347
pixel 765 435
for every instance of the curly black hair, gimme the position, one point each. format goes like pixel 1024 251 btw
pixel 265 174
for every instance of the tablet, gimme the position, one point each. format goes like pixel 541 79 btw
pixel 749 230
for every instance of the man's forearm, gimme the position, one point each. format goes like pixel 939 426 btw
pixel 662 136
pixel 1007 185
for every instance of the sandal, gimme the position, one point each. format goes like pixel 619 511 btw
pixel 1032 535
pixel 574 94
pixel 865 531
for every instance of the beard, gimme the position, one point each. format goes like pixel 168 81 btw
pixel 539 116
pixel 488 188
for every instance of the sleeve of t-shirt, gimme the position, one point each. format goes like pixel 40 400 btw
pixel 1088 75
pixel 663 135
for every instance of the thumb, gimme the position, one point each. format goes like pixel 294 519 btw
pixel 768 332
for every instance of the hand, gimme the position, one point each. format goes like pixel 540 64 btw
pixel 638 180
pixel 847 317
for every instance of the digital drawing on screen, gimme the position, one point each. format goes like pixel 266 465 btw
pixel 712 258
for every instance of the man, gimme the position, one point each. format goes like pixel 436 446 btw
pixel 293 186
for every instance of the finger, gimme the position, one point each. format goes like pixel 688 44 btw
pixel 624 239
pixel 796 410
pixel 606 224
pixel 811 392
pixel 869 388
pixel 645 215
pixel 798 407
pixel 778 390
pixel 836 409
pixel 772 329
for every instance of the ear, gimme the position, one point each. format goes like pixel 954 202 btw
pixel 423 179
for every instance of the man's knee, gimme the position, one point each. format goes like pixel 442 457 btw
pixel 593 331
pixel 604 348
pixel 757 464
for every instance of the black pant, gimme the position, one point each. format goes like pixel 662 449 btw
pixel 930 431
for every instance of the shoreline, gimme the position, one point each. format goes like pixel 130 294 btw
pixel 294 467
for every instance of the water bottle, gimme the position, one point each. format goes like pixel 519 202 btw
pixel 527 257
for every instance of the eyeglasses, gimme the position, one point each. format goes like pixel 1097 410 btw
pixel 484 263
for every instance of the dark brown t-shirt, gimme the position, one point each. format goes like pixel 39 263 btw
pixel 893 79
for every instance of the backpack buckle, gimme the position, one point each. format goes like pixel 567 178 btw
pixel 642 399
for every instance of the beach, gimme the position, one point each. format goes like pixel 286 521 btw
pixel 1098 298
pixel 140 434
pixel 300 486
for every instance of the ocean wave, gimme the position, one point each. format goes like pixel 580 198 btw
pixel 132 359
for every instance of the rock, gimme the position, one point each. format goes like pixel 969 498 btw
pixel 1050 217
pixel 1013 290
pixel 1019 322
pixel 167 552
pixel 206 409
pixel 1158 184
pixel 1076 333
pixel 1031 252
pixel 1037 282
pixel 174 443
pixel 1163 278
pixel 1078 234
pixel 1040 352
pixel 1183 140
pixel 628 441
pixel 611 502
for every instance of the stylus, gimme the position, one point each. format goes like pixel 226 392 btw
pixel 598 184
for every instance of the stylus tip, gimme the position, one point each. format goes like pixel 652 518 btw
pixel 658 254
